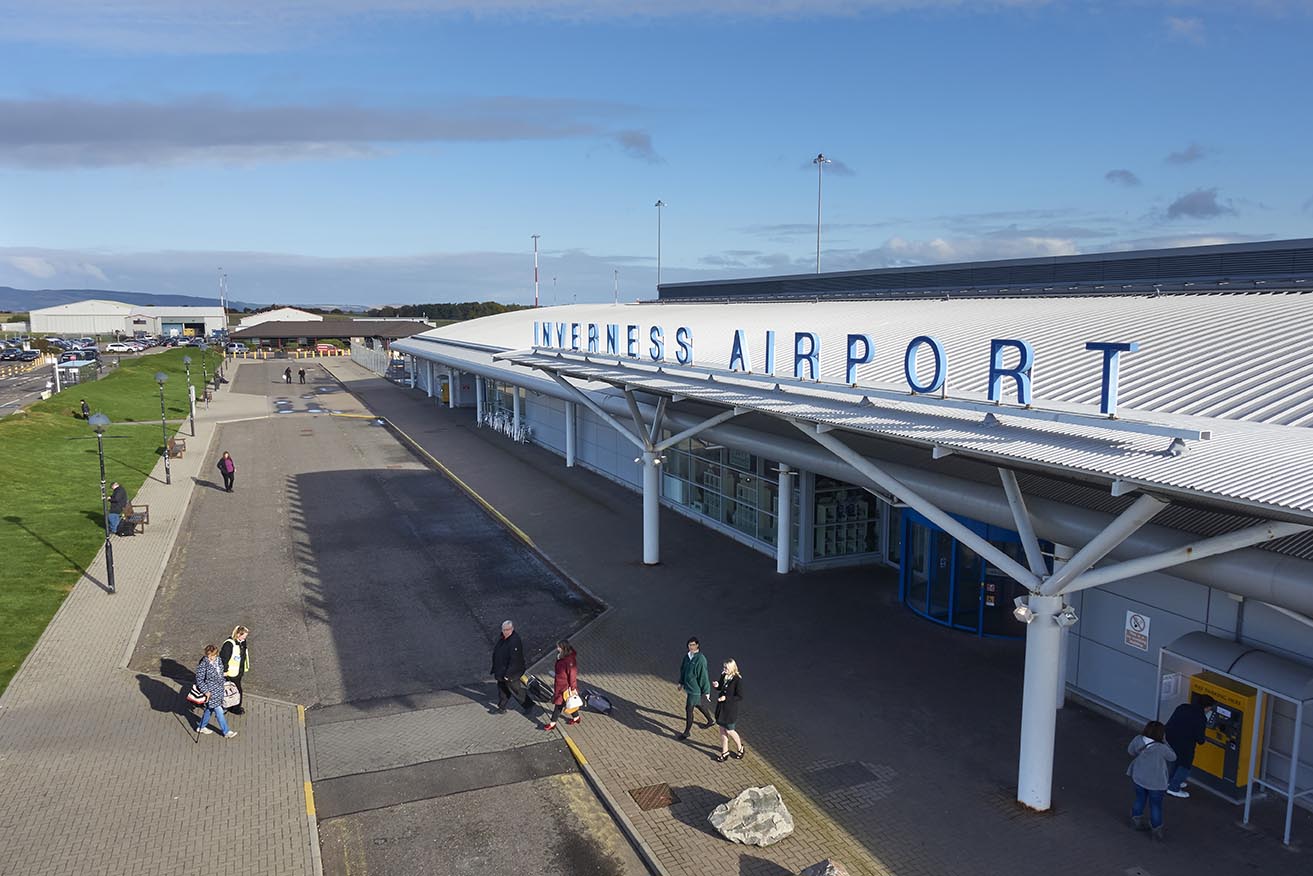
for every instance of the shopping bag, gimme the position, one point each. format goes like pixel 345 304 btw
pixel 231 695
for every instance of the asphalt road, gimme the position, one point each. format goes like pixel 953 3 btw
pixel 375 589
pixel 20 391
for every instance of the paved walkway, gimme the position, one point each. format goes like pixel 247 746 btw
pixel 99 772
pixel 893 740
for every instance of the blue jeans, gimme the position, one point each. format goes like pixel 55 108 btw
pixel 1155 801
pixel 1179 775
pixel 113 522
pixel 217 710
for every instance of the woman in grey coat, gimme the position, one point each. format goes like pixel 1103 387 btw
pixel 1149 772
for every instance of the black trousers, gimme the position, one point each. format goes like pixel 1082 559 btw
pixel 241 705
pixel 559 708
pixel 512 688
pixel 228 480
pixel 688 715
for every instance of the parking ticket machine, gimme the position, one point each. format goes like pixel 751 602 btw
pixel 1230 744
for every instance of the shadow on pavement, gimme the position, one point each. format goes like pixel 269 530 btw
pixel 695 804
pixel 751 865
pixel 201 482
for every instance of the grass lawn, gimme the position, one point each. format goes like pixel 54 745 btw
pixel 50 514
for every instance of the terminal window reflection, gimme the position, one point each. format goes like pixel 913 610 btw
pixel 731 487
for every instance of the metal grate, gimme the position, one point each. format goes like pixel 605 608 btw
pixel 653 796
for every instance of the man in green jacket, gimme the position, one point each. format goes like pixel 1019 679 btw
pixel 696 685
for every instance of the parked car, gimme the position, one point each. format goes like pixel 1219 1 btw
pixel 9 354
pixel 235 347
pixel 84 343
pixel 28 356
pixel 325 348
pixel 198 342
pixel 120 347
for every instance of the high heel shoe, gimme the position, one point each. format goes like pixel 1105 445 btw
pixel 721 758
pixel 738 755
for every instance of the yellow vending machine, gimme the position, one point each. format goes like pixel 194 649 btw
pixel 1231 745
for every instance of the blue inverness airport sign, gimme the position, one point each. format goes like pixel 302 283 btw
pixel 627 341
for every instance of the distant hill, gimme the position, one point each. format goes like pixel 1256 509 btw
pixel 22 300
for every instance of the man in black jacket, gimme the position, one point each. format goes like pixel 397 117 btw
pixel 118 500
pixel 1185 730
pixel 508 667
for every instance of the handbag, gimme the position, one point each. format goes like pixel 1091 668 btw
pixel 231 695
pixel 195 697
pixel 573 702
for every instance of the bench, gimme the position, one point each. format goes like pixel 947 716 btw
pixel 177 447
pixel 138 516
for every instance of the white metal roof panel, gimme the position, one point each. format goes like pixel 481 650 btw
pixel 1237 467
pixel 1230 356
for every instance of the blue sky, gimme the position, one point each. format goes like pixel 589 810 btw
pixel 344 151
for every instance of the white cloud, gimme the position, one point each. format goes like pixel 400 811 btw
pixel 70 132
pixel 1189 30
pixel 34 267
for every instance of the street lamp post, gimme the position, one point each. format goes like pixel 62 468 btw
pixel 191 395
pixel 659 204
pixel 820 161
pixel 100 422
pixel 205 380
pixel 160 377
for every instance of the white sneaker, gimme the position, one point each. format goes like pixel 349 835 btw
pixel 1178 793
pixel 230 734
pixel 205 730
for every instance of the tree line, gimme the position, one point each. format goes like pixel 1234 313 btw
pixel 462 310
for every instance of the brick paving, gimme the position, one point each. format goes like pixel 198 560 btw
pixel 98 769
pixel 892 740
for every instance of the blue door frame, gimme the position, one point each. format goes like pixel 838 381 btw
pixel 965 581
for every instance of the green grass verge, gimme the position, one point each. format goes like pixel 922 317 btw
pixel 50 513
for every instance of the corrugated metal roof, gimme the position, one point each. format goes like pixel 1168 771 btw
pixel 1230 356
pixel 1236 468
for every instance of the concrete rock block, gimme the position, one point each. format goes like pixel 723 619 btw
pixel 756 817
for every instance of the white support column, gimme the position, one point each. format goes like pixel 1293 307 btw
pixel 784 522
pixel 1061 554
pixel 412 370
pixel 451 388
pixel 571 423
pixel 1039 719
pixel 479 392
pixel 517 408
pixel 428 370
pixel 651 508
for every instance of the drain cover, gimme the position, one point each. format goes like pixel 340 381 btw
pixel 653 796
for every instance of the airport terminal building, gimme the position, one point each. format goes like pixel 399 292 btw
pixel 1109 456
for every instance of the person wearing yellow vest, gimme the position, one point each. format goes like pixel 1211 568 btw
pixel 235 658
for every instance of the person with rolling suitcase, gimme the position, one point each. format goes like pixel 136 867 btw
pixel 508 667
pixel 566 693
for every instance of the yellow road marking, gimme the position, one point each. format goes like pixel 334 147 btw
pixel 309 800
pixel 574 749
pixel 520 533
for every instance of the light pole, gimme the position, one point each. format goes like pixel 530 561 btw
pixel 191 395
pixel 820 161
pixel 99 422
pixel 205 379
pixel 659 204
pixel 160 377
pixel 535 268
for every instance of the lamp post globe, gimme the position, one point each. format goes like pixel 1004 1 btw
pixel 99 423
pixel 160 378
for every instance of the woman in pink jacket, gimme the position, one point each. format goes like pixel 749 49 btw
pixel 567 681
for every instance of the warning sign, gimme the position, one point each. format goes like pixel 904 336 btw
pixel 1137 630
